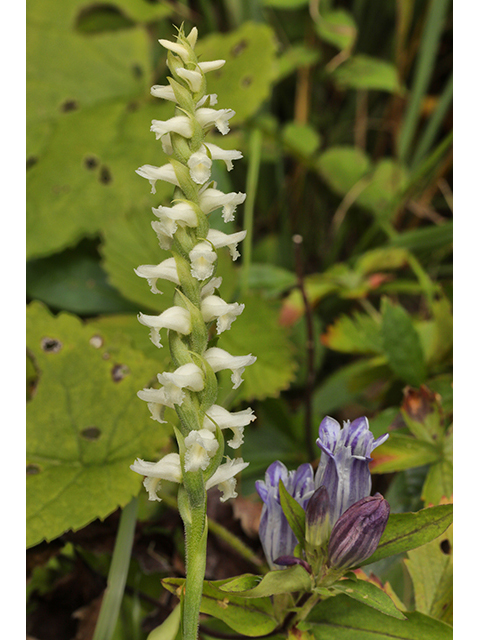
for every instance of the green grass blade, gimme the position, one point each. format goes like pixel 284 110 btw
pixel 117 575
pixel 424 67
pixel 434 124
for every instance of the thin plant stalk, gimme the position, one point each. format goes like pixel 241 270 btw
pixel 117 575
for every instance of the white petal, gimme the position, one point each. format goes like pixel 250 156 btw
pixel 164 234
pixel 175 318
pixel 212 199
pixel 192 37
pixel 166 270
pixel 188 376
pixel 214 307
pixel 200 165
pixel 152 174
pixel 209 288
pixel 200 447
pixel 202 258
pixel 181 213
pixel 212 65
pixel 219 359
pixel 219 117
pixel 168 468
pixel 212 99
pixel 220 239
pixel 226 155
pixel 192 78
pixel 236 421
pixel 224 477
pixel 178 124
pixel 163 91
pixel 177 48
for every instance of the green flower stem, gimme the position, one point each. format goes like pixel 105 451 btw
pixel 196 532
pixel 224 534
pixel 255 152
pixel 117 575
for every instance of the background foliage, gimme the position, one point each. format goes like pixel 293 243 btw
pixel 347 105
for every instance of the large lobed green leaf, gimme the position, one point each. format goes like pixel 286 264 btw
pixel 258 331
pixel 250 70
pixel 85 425
pixel 431 570
pixel 86 176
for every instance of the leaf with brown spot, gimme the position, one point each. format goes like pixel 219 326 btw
pixel 84 428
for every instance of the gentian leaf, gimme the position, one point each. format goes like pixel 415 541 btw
pixel 294 513
pixel 250 617
pixel 369 594
pixel 342 618
pixel 407 531
pixel 274 582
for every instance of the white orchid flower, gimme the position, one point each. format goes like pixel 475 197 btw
pixel 168 468
pixel 175 318
pixel 236 421
pixel 211 199
pixel 200 165
pixel 163 91
pixel 166 270
pixel 218 117
pixel 202 258
pixel 224 477
pixel 227 155
pixel 152 174
pixel 200 447
pixel 219 359
pixel 230 240
pixel 214 308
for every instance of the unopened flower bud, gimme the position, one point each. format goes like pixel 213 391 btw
pixel 357 532
pixel 317 519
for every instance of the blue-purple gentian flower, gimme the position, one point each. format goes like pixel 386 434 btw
pixel 343 468
pixel 276 536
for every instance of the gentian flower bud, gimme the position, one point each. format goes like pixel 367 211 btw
pixel 317 521
pixel 357 532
